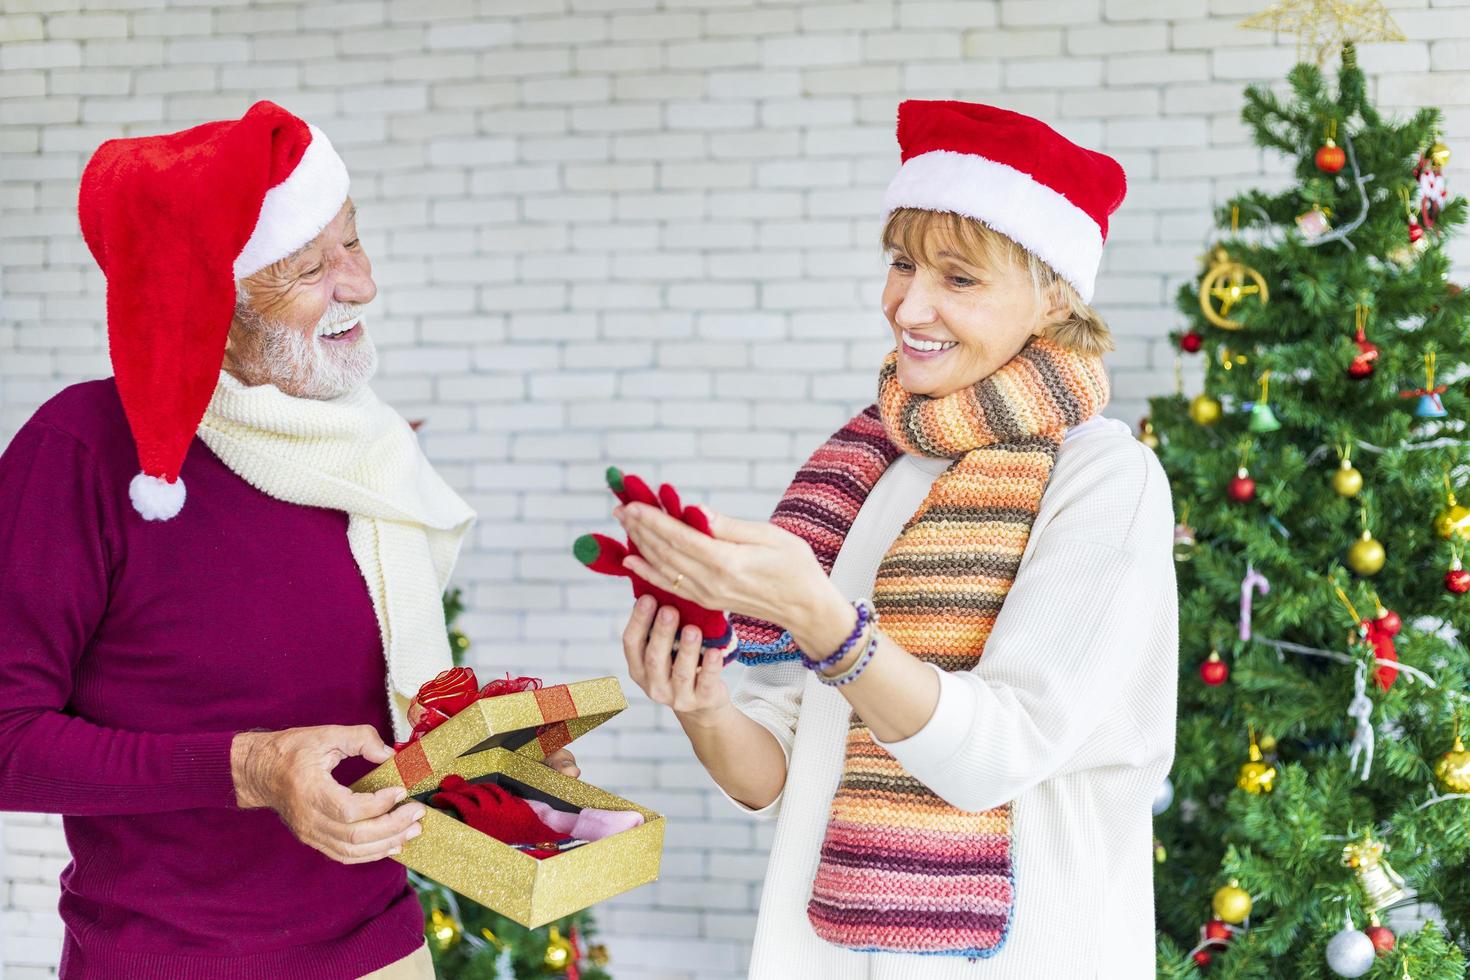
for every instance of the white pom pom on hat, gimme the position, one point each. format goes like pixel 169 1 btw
pixel 156 499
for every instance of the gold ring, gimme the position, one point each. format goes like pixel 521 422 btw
pixel 675 586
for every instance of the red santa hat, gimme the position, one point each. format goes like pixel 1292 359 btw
pixel 174 221
pixel 1014 173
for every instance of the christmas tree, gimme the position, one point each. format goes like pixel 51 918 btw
pixel 1320 782
pixel 470 942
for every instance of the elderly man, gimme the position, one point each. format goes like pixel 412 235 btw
pixel 192 686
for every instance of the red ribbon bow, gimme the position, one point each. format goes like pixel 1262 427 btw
pixel 454 690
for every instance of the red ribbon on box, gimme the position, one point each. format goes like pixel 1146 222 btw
pixel 454 688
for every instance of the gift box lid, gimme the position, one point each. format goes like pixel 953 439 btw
pixel 531 723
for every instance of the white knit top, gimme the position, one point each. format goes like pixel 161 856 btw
pixel 1070 714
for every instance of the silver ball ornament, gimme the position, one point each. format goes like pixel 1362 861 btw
pixel 1163 796
pixel 1351 953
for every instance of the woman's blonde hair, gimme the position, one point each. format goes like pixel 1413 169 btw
pixel 922 234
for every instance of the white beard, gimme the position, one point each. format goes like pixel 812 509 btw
pixel 304 365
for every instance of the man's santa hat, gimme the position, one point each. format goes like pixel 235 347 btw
pixel 1014 173
pixel 174 221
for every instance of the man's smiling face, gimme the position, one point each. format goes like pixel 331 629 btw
pixel 298 322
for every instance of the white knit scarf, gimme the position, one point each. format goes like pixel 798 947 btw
pixel 405 524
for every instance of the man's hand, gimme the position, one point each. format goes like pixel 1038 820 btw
pixel 290 772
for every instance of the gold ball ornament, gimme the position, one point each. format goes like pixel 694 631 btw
pixel 1439 155
pixel 1267 743
pixel 1256 776
pixel 1366 556
pixel 1453 769
pixel 1232 903
pixel 558 950
pixel 1348 480
pixel 444 930
pixel 1454 519
pixel 597 953
pixel 1204 410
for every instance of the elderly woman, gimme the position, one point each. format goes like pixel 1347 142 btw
pixel 961 765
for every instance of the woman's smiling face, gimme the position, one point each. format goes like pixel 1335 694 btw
pixel 959 299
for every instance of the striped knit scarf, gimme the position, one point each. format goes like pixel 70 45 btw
pixel 902 871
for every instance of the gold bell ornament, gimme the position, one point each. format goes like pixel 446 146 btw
pixel 1381 884
pixel 1347 481
pixel 1256 776
pixel 1439 154
pixel 1232 903
pixel 1452 769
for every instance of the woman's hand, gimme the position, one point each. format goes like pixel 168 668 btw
pixel 753 568
pixel 695 690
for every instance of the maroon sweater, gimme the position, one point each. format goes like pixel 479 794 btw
pixel 131 652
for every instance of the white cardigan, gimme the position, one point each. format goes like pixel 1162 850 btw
pixel 1070 714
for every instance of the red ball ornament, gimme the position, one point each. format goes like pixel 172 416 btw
pixel 1389 622
pixel 1382 936
pixel 1330 158
pixel 1362 363
pixel 1457 580
pixel 1242 489
pixel 1217 930
pixel 1203 957
pixel 1214 671
pixel 1191 342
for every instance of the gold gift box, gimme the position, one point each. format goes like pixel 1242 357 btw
pixel 503 740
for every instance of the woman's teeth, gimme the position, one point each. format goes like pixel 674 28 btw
pixel 928 345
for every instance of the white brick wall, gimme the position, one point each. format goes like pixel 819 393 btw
pixel 638 232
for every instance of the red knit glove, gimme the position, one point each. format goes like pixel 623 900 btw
pixel 602 554
pixel 493 810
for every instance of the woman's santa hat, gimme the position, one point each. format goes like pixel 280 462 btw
pixel 174 221
pixel 1014 173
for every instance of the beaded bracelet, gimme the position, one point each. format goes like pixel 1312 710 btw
pixel 858 666
pixel 864 613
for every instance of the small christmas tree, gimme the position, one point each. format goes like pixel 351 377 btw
pixel 1320 781
pixel 470 942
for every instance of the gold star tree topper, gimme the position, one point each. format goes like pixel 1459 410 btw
pixel 1322 27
